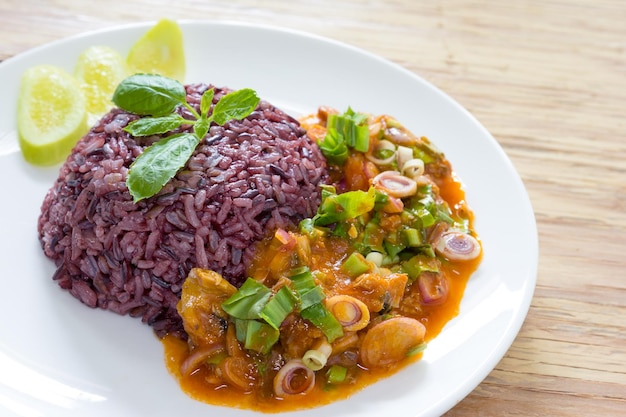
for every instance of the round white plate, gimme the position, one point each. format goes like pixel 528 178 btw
pixel 60 358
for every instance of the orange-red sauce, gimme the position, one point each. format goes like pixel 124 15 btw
pixel 434 317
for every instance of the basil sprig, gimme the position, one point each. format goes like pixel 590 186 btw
pixel 157 98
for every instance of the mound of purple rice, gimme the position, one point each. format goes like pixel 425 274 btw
pixel 245 179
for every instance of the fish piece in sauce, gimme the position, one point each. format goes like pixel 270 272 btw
pixel 200 307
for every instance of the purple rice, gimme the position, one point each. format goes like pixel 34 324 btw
pixel 244 180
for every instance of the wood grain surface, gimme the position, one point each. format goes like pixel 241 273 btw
pixel 548 79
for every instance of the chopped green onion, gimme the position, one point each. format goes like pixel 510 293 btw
pixel 348 130
pixel 418 264
pixel 427 202
pixel 340 207
pixel 443 214
pixel 311 307
pixel 417 349
pixel 315 359
pixel 307 227
pixel 362 141
pixel 427 250
pixel 279 307
pixel 355 265
pixel 319 315
pixel 352 127
pixel 311 296
pixel 248 302
pixel 393 245
pixel 384 153
pixel 371 238
pixel 302 279
pixel 307 290
pixel 375 257
pixel 336 374
pixel 412 237
pixel 334 148
pixel 241 329
pixel 380 200
pixel 426 217
pixel 217 358
pixel 256 335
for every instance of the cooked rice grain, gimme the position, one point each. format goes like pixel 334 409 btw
pixel 243 181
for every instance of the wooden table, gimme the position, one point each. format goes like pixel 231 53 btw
pixel 548 79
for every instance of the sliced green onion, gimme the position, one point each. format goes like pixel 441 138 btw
pixel 412 237
pixel 362 139
pixel 375 257
pixel 381 199
pixel 371 237
pixel 426 217
pixel 428 202
pixel 307 290
pixel 345 206
pixel 248 302
pixel 418 264
pixel 302 279
pixel 307 227
pixel 241 329
pixel 315 359
pixel 334 148
pixel 417 349
pixel 352 127
pixel 312 296
pixel 427 250
pixel 390 260
pixel 355 265
pixel 393 245
pixel 311 307
pixel 319 315
pixel 384 154
pixel 443 214
pixel 256 335
pixel 279 307
pixel 336 374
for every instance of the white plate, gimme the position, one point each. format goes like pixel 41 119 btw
pixel 60 358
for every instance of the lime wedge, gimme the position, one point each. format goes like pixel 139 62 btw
pixel 99 70
pixel 159 51
pixel 51 114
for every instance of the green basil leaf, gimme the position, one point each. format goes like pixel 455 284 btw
pixel 201 127
pixel 149 94
pixel 206 101
pixel 158 164
pixel 236 105
pixel 147 126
